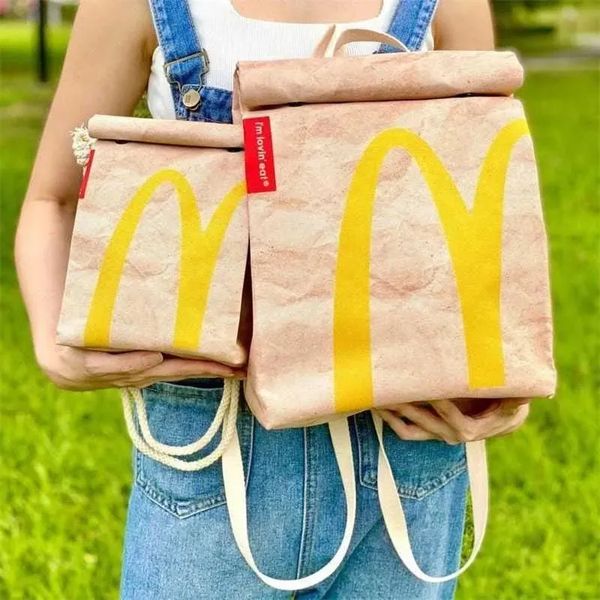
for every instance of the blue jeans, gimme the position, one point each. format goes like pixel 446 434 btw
pixel 179 546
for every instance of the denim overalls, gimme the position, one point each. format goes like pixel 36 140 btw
pixel 178 543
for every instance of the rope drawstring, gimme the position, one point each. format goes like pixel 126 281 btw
pixel 225 419
pixel 82 144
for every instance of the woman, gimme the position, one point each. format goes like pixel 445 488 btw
pixel 178 542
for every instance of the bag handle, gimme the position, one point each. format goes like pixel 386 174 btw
pixel 235 492
pixel 335 39
pixel 393 514
pixel 146 443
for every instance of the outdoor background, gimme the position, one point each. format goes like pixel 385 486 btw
pixel 64 469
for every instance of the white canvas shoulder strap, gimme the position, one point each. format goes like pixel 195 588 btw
pixel 235 491
pixel 228 449
pixel 393 513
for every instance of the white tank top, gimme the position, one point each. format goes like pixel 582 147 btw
pixel 229 37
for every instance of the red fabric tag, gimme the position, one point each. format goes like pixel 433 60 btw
pixel 86 174
pixel 258 152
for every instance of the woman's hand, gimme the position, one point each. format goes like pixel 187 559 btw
pixel 78 369
pixel 457 421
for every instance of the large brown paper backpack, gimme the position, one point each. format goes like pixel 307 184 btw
pixel 398 249
pixel 159 252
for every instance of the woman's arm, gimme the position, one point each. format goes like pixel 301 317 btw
pixel 105 71
pixel 463 25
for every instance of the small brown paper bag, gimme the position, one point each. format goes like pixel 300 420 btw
pixel 160 243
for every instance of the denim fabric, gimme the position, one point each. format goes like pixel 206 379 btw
pixel 410 23
pixel 216 105
pixel 186 61
pixel 179 544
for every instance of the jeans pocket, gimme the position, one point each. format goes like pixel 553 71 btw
pixel 178 414
pixel 420 467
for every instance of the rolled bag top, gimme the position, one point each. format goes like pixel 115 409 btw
pixel 379 77
pixel 160 131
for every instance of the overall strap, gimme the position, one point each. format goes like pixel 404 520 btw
pixel 410 23
pixel 186 62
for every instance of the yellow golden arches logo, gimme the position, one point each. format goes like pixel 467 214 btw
pixel 198 257
pixel 474 241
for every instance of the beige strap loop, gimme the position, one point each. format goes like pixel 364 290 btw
pixel 235 491
pixel 335 39
pixel 393 514
pixel 225 419
pixel 366 35
pixel 323 48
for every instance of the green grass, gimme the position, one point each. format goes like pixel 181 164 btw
pixel 65 457
pixel 64 474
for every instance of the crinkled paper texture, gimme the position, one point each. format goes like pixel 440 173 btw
pixel 417 336
pixel 145 308
pixel 409 76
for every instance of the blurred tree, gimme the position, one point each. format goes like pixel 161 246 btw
pixel 508 6
pixel 530 4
